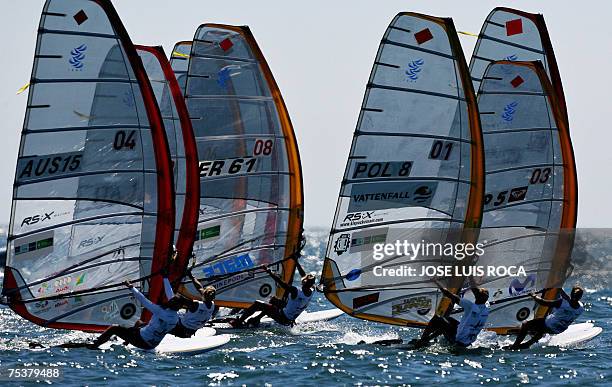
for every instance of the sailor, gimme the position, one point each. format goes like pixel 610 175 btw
pixel 146 336
pixel 461 333
pixel 566 311
pixel 197 312
pixel 282 313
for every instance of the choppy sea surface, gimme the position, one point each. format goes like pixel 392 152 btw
pixel 321 354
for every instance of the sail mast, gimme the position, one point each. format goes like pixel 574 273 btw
pixel 183 151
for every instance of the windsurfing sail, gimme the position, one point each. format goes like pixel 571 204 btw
pixel 415 170
pixel 514 35
pixel 529 206
pixel 251 202
pixel 179 61
pixel 93 197
pixel 183 152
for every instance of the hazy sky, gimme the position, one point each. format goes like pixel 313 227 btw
pixel 321 54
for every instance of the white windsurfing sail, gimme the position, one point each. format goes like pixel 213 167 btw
pixel 251 184
pixel 92 199
pixel 415 168
pixel 531 188
pixel 514 35
pixel 182 150
pixel 179 61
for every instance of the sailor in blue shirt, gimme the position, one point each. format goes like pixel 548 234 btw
pixel 146 336
pixel 283 313
pixel 197 313
pixel 464 332
pixel 565 311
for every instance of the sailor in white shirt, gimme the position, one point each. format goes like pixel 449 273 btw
pixel 282 313
pixel 146 336
pixel 461 333
pixel 197 312
pixel 565 311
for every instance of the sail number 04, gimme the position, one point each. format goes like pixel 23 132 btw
pixel 125 140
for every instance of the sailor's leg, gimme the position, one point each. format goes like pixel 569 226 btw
pixel 450 329
pixel 272 311
pixel 434 329
pixel 107 335
pixel 534 339
pixel 525 328
pixel 132 336
pixel 258 306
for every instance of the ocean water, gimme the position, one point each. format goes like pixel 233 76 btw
pixel 323 354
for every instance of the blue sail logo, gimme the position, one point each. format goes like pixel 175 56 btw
pixel 77 55
pixel 414 68
pixel 224 77
pixel 509 111
pixel 511 58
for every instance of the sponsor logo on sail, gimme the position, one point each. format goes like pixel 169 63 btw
pixel 223 76
pixel 128 98
pixel 361 218
pixel 511 57
pixel 228 266
pixel 517 194
pixel 342 244
pixel 518 287
pixel 368 299
pixel 363 240
pixel 77 56
pixel 90 241
pixel 366 197
pixel 110 311
pixel 212 232
pixel 34 219
pixel 509 111
pixel 420 304
pixel 34 245
pixel 413 70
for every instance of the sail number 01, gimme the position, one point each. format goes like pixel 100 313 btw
pixel 440 150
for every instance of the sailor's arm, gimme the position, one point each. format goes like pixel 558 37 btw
pixel 300 268
pixel 564 295
pixel 550 303
pixel 198 285
pixel 168 288
pixel 277 279
pixel 142 299
pixel 454 298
